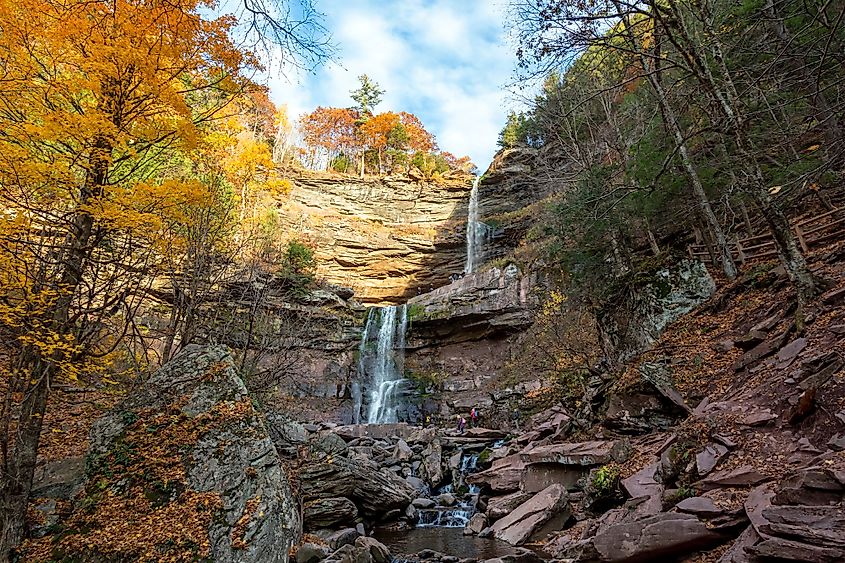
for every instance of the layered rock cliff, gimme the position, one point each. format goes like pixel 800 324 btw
pixel 387 238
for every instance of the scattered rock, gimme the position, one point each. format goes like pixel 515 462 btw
pixel 761 351
pixel 788 353
pixel 837 443
pixel 708 458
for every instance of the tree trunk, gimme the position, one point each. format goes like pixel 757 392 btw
pixel 19 471
pixel 719 238
pixel 787 247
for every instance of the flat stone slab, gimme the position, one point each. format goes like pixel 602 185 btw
pixel 743 476
pixel 518 526
pixel 699 506
pixel 575 453
pixel 656 538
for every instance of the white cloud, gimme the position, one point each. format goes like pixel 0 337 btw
pixel 447 61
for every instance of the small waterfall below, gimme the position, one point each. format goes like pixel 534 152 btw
pixel 457 515
pixel 477 232
pixel 383 366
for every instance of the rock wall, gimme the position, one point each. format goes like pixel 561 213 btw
pixel 387 238
pixel 637 315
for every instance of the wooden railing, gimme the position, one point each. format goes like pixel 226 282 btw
pixel 811 233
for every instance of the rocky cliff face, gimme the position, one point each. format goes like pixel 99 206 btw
pixel 507 193
pixel 387 238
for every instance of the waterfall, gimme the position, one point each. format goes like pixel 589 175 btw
pixel 477 232
pixel 458 515
pixel 357 393
pixel 386 368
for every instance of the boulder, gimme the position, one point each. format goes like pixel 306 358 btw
pixel 656 538
pixel 518 526
pixel 498 507
pixel 374 491
pixel 432 463
pixel 575 453
pixel 250 513
pixel 817 525
pixel 287 434
pixel 379 553
pixel 423 503
pixel 60 479
pixel 338 538
pixel 311 553
pixel 446 499
pixel 476 524
pixel 329 443
pixel 538 476
pixel 328 512
pixel 504 475
pixel 781 549
pixel 403 451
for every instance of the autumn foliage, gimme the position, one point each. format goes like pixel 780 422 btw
pixel 135 152
pixel 389 142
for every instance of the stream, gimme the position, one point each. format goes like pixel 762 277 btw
pixel 449 541
pixel 441 528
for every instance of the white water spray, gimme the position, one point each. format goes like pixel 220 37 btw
pixel 387 367
pixel 477 232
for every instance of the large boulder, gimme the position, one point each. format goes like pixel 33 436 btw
pixel 499 507
pixel 635 318
pixel 184 468
pixel 375 491
pixel 529 517
pixel 656 538
pixel 503 476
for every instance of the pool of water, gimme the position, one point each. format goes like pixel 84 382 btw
pixel 449 541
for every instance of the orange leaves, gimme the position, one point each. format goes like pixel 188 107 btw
pixel 332 129
pixel 376 130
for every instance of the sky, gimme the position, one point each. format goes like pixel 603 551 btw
pixel 447 61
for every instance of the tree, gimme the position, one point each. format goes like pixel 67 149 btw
pixel 332 130
pixel 367 96
pixel 95 95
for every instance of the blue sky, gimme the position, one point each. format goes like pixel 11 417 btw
pixel 447 61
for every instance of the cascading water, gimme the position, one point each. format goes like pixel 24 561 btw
pixel 386 367
pixel 477 232
pixel 458 515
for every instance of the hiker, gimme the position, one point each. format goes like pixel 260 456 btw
pixel 516 416
pixel 473 417
pixel 462 424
